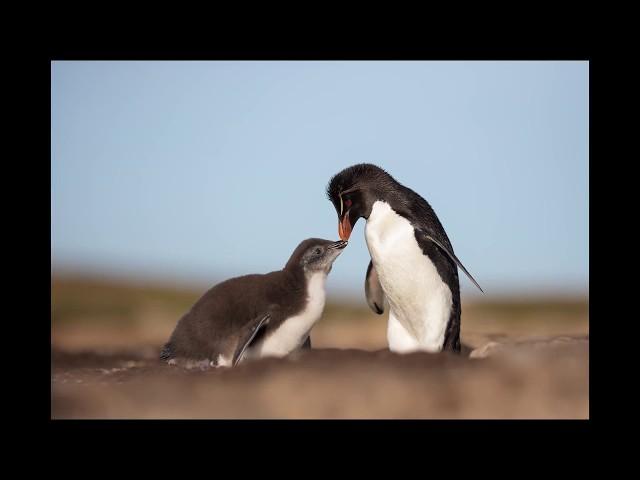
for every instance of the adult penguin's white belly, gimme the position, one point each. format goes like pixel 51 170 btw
pixel 420 302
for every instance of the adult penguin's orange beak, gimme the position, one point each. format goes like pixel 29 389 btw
pixel 344 227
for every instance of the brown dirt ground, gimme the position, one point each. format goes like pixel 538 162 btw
pixel 530 360
pixel 536 381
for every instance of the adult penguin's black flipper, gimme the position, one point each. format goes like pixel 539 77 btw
pixel 248 334
pixel 450 254
pixel 373 290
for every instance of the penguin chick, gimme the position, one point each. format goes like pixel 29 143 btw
pixel 257 315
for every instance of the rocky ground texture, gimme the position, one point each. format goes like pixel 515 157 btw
pixel 543 377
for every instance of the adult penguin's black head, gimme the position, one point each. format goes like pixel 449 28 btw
pixel 354 190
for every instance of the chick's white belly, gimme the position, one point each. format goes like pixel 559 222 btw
pixel 288 337
pixel 292 332
pixel 420 302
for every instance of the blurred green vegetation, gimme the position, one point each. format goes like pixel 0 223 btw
pixel 95 301
pixel 527 309
pixel 76 299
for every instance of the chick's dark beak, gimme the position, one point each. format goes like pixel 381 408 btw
pixel 344 227
pixel 339 245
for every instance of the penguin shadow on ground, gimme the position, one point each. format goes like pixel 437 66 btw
pixel 327 358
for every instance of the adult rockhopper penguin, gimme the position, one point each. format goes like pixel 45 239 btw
pixel 257 315
pixel 412 261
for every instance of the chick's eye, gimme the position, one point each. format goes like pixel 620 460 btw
pixel 317 251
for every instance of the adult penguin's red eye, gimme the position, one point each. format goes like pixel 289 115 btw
pixel 347 202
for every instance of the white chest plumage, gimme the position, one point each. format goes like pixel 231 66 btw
pixel 420 302
pixel 292 332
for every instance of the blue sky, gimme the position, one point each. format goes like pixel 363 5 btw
pixel 197 171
